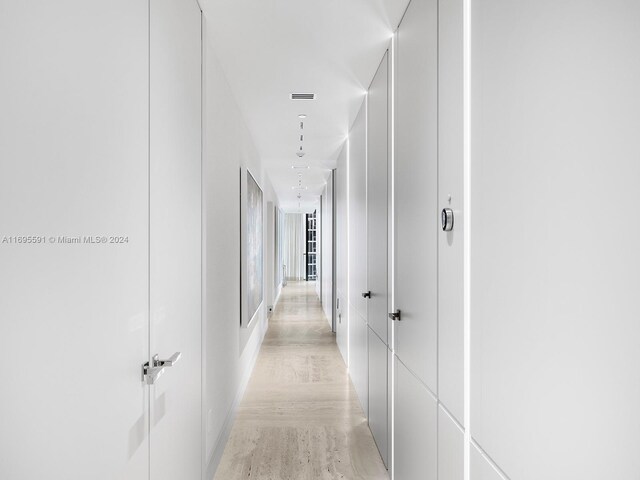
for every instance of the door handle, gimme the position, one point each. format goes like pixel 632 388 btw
pixel 367 294
pixel 397 315
pixel 154 370
pixel 151 374
pixel 169 362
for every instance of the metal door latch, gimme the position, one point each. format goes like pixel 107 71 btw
pixel 396 315
pixel 367 294
pixel 151 374
pixel 154 370
pixel 169 362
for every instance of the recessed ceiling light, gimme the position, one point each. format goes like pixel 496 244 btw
pixel 295 167
pixel 302 115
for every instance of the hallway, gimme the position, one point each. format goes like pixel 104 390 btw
pixel 300 417
pixel 297 240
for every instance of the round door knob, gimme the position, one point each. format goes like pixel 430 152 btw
pixel 447 219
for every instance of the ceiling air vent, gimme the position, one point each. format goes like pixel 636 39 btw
pixel 303 96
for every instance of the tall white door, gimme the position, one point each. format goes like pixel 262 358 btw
pixel 416 247
pixel 175 243
pixel 377 254
pixel 357 278
pixel 416 192
pixel 74 240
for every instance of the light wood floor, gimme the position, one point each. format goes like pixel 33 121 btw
pixel 300 418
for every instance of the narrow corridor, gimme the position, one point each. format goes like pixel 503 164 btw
pixel 300 417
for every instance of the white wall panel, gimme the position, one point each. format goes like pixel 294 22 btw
pixel 74 316
pixel 416 202
pixel 450 195
pixel 378 398
pixel 358 212
pixel 416 427
pixel 342 309
pixel 327 257
pixel 450 447
pixel 175 236
pixel 554 237
pixel 359 358
pixel 481 468
pixel 377 200
pixel 269 254
pixel 357 257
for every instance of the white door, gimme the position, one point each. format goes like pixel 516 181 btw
pixel 416 237
pixel 377 253
pixel 416 191
pixel 357 278
pixel 175 246
pixel 377 201
pixel 74 176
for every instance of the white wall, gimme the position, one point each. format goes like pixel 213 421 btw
pixel 228 350
pixel 554 260
pixel 273 279
pixel 342 265
pixel 279 255
pixel 326 246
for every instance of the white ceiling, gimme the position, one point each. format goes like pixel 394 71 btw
pixel 272 48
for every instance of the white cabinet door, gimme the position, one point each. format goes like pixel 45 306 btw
pixel 175 246
pixel 377 200
pixel 416 190
pixel 416 428
pixel 74 309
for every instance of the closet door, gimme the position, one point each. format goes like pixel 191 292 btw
pixel 377 253
pixel 175 244
pixel 74 297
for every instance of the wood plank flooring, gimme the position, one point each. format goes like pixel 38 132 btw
pixel 300 418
